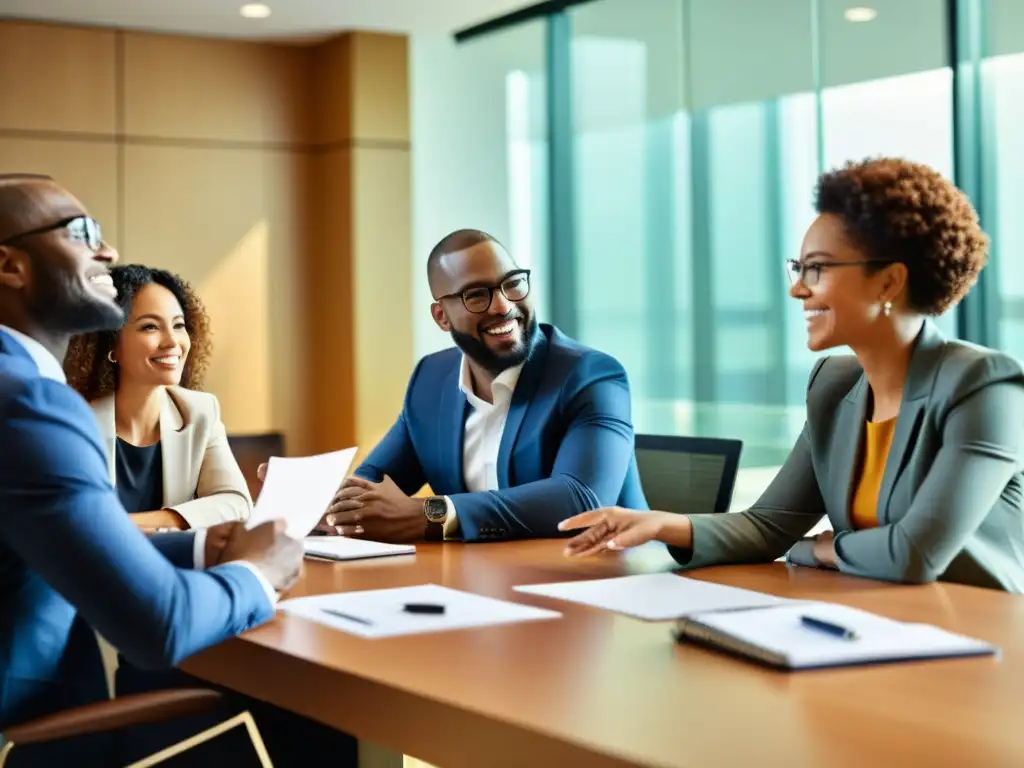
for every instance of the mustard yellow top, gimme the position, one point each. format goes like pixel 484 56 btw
pixel 864 505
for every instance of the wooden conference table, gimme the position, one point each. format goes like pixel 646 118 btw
pixel 598 689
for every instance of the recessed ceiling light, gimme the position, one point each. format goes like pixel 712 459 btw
pixel 255 10
pixel 860 14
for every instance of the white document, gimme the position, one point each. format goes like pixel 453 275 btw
pixel 342 548
pixel 653 596
pixel 299 490
pixel 381 612
pixel 779 637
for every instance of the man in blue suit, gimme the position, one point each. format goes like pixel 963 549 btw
pixel 71 560
pixel 515 429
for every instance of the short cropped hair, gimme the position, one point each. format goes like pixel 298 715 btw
pixel 899 211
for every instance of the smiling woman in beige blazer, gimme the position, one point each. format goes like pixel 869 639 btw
pixel 913 446
pixel 167 448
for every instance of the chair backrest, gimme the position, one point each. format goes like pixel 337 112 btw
pixel 252 450
pixel 688 475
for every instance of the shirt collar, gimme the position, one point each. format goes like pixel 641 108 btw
pixel 505 382
pixel 48 365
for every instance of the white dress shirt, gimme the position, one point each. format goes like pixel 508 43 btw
pixel 50 368
pixel 484 427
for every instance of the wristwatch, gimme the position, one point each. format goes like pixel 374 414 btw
pixel 435 509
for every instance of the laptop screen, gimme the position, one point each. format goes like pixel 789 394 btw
pixel 686 483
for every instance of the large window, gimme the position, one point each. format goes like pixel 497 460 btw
pixel 688 153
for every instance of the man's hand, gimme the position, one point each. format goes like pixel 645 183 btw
pixel 378 511
pixel 278 556
pixel 217 537
pixel 824 550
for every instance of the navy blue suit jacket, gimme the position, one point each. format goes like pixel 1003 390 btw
pixel 567 447
pixel 70 557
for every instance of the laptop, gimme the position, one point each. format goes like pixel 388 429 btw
pixel 688 475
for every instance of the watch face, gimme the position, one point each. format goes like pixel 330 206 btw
pixel 435 510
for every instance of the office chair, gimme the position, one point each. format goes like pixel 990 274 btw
pixel 128 711
pixel 688 475
pixel 252 450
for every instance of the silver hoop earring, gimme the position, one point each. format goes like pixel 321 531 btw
pixel 110 357
pixel 887 308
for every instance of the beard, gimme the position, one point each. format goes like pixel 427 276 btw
pixel 496 362
pixel 59 302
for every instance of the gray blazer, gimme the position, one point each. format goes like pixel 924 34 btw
pixel 950 502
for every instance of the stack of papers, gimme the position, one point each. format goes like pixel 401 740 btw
pixel 382 612
pixel 299 490
pixel 341 548
pixel 654 596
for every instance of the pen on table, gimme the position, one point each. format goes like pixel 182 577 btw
pixel 828 627
pixel 347 616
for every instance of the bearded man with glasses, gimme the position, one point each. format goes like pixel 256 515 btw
pixel 513 429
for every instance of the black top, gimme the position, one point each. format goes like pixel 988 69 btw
pixel 140 477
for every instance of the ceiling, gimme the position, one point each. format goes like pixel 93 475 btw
pixel 290 19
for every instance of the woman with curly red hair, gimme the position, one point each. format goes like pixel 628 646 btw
pixel 914 445
pixel 168 451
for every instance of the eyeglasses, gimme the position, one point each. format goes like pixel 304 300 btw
pixel 80 229
pixel 515 286
pixel 810 274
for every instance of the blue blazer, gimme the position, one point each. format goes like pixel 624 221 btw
pixel 567 446
pixel 72 560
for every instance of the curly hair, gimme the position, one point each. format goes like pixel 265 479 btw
pixel 87 366
pixel 899 211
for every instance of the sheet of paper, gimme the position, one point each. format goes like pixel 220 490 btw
pixel 342 548
pixel 299 490
pixel 780 630
pixel 653 596
pixel 381 612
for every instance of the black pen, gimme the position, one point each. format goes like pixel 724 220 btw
pixel 347 616
pixel 824 626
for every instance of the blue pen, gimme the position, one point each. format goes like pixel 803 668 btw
pixel 824 626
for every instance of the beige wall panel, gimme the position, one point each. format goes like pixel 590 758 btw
pixel 330 301
pixel 198 89
pixel 383 288
pixel 331 96
pixel 289 277
pixel 56 78
pixel 88 169
pixel 201 212
pixel 380 90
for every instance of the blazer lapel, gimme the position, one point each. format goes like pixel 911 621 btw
pixel 176 447
pixel 916 391
pixel 850 423
pixel 103 409
pixel 451 432
pixel 522 396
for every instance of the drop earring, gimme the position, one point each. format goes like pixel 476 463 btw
pixel 887 308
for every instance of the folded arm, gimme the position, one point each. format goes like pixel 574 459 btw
pixel 980 453
pixel 71 529
pixel 222 494
pixel 588 471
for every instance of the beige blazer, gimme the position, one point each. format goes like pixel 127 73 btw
pixel 202 481
pixel 951 505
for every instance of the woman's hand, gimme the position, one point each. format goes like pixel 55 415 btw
pixel 616 528
pixel 824 550
pixel 151 522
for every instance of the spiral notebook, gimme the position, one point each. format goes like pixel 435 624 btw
pixel 782 637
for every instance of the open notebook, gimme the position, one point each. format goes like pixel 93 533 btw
pixel 778 636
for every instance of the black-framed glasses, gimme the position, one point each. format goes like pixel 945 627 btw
pixel 810 274
pixel 80 229
pixel 515 286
